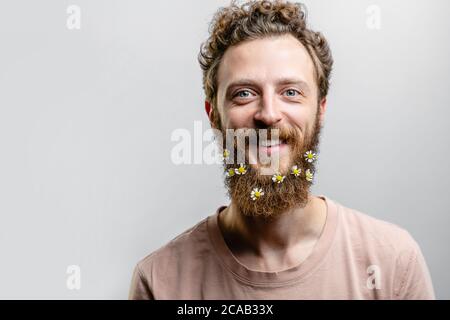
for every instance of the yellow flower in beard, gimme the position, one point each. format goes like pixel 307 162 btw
pixel 296 171
pixel 278 178
pixel 256 193
pixel 309 175
pixel 230 172
pixel 241 170
pixel 226 154
pixel 310 156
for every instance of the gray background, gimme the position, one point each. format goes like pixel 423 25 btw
pixel 86 118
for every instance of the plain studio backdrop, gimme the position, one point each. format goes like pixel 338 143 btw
pixel 87 115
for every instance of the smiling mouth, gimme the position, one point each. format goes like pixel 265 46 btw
pixel 271 143
pixel 271 146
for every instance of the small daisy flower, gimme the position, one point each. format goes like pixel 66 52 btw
pixel 256 193
pixel 310 156
pixel 296 171
pixel 278 178
pixel 309 175
pixel 226 154
pixel 230 172
pixel 241 170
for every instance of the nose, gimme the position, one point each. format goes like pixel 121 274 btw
pixel 268 114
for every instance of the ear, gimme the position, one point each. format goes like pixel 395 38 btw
pixel 208 109
pixel 322 109
pixel 209 112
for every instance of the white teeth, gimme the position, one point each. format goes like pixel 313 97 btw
pixel 269 143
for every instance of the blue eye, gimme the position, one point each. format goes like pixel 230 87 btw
pixel 240 96
pixel 292 91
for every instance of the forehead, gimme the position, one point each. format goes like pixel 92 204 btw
pixel 266 60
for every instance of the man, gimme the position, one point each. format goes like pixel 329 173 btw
pixel 263 69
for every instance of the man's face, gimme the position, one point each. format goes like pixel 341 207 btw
pixel 269 83
pixel 265 84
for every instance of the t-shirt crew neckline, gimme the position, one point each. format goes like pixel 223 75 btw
pixel 274 278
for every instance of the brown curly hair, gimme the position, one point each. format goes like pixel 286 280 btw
pixel 254 20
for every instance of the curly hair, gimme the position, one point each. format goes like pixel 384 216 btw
pixel 254 20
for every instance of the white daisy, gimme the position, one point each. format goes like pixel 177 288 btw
pixel 309 175
pixel 241 170
pixel 226 154
pixel 256 193
pixel 230 172
pixel 278 178
pixel 296 171
pixel 310 156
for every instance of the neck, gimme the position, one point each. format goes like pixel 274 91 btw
pixel 291 231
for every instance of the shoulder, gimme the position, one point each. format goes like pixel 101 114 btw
pixel 176 252
pixel 375 233
pixel 159 272
pixel 377 243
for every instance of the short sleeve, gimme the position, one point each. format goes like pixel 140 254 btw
pixel 415 279
pixel 139 288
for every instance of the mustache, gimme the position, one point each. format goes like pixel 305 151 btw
pixel 284 134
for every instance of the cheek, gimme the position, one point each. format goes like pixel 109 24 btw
pixel 299 118
pixel 238 118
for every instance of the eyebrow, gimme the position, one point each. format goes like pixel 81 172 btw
pixel 281 81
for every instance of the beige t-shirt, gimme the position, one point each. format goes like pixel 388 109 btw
pixel 356 257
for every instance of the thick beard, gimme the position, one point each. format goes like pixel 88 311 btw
pixel 278 198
